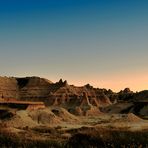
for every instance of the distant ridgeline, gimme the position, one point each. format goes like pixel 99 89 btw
pixel 40 89
pixel 63 94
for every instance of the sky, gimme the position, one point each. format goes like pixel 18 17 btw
pixel 101 42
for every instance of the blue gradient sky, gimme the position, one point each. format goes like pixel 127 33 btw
pixel 101 42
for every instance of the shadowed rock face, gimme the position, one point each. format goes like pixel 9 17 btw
pixel 143 95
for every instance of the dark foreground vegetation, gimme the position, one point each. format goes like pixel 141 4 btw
pixel 17 142
pixel 109 139
pixel 81 138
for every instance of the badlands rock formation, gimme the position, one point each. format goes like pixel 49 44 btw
pixel 8 87
pixel 85 100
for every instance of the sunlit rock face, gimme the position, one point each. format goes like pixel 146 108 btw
pixel 8 88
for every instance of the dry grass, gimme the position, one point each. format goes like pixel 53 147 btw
pixel 87 137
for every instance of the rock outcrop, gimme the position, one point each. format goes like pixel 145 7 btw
pixel 83 100
pixel 33 88
pixel 78 100
pixel 8 87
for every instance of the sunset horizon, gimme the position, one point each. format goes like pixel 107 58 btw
pixel 115 85
pixel 101 42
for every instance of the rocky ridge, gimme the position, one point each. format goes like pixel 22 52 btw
pixel 85 100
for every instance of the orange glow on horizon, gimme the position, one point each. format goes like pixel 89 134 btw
pixel 135 82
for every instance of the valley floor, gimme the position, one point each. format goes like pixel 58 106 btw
pixel 66 130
